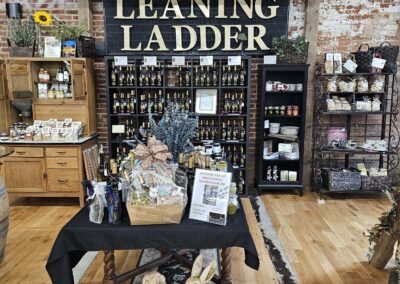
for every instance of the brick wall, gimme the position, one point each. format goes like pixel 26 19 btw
pixel 343 26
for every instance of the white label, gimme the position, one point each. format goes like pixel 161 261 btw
pixel 266 124
pixel 270 59
pixel 285 148
pixel 350 65
pixel 329 57
pixel 118 129
pixel 150 60
pixel 378 63
pixel 234 60
pixel 206 60
pixel 178 60
pixel 120 60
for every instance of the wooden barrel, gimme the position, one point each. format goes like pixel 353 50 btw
pixel 3 218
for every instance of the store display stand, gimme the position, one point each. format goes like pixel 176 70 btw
pixel 168 73
pixel 287 74
pixel 368 125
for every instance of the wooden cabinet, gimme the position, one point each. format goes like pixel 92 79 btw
pixel 23 78
pixel 45 170
pixel 25 174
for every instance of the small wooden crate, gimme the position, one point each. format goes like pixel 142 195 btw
pixel 155 215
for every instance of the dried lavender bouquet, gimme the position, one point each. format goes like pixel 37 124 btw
pixel 175 129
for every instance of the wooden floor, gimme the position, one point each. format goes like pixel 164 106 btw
pixel 324 242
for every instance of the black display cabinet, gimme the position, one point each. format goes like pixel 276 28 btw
pixel 179 84
pixel 283 103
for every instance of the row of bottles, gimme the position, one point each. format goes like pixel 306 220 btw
pixel 206 76
pixel 123 75
pixel 234 103
pixel 233 75
pixel 184 76
pixel 153 102
pixel 236 155
pixel 182 99
pixel 206 130
pixel 151 75
pixel 130 129
pixel 124 103
pixel 232 130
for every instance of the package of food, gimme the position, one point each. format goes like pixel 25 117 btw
pixel 378 84
pixel 157 195
pixel 362 84
pixel 332 84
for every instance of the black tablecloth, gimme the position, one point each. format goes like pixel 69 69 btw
pixel 79 235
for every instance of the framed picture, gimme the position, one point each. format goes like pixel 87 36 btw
pixel 69 48
pixel 52 47
pixel 206 101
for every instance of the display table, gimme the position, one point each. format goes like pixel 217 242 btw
pixel 79 236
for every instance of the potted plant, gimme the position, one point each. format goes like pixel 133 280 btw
pixel 290 50
pixel 21 38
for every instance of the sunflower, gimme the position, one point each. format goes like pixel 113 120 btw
pixel 42 18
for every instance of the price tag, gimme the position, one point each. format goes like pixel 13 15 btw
pixel 285 148
pixel 150 60
pixel 270 59
pixel 206 60
pixel 350 65
pixel 120 60
pixel 378 63
pixel 120 129
pixel 178 60
pixel 234 60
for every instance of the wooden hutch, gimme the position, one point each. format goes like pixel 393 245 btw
pixel 41 168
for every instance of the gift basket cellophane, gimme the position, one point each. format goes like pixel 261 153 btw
pixel 156 188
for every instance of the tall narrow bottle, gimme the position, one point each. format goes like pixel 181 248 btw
pixel 190 178
pixel 101 177
pixel 117 203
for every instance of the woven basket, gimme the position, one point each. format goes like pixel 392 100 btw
pixel 86 47
pixel 375 183
pixel 364 59
pixel 337 180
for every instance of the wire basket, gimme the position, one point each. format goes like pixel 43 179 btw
pixel 375 183
pixel 338 180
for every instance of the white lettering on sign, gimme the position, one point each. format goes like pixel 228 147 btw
pixel 197 35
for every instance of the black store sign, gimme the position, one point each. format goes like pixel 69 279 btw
pixel 193 26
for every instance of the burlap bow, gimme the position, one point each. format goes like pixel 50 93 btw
pixel 155 151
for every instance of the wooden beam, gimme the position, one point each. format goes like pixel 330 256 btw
pixel 85 14
pixel 311 34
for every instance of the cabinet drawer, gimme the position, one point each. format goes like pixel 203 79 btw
pixel 62 163
pixel 27 152
pixel 63 181
pixel 57 152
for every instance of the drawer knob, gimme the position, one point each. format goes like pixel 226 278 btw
pixel 62 180
pixel 61 163
pixel 20 152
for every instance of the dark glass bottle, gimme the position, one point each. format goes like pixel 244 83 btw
pixel 190 178
pixel 116 212
pixel 101 177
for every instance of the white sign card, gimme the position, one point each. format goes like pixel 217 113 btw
pixel 206 60
pixel 234 60
pixel 118 129
pixel 178 60
pixel 52 47
pixel 350 66
pixel 121 60
pixel 378 63
pixel 210 196
pixel 270 59
pixel 150 60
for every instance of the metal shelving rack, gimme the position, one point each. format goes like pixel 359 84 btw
pixel 166 64
pixel 360 125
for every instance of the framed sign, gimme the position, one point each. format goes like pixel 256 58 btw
pixel 210 196
pixel 206 101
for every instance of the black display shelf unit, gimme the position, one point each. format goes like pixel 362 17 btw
pixel 360 126
pixel 169 75
pixel 287 74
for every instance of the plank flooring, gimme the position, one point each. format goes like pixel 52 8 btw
pixel 324 243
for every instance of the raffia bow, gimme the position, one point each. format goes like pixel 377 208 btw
pixel 155 151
